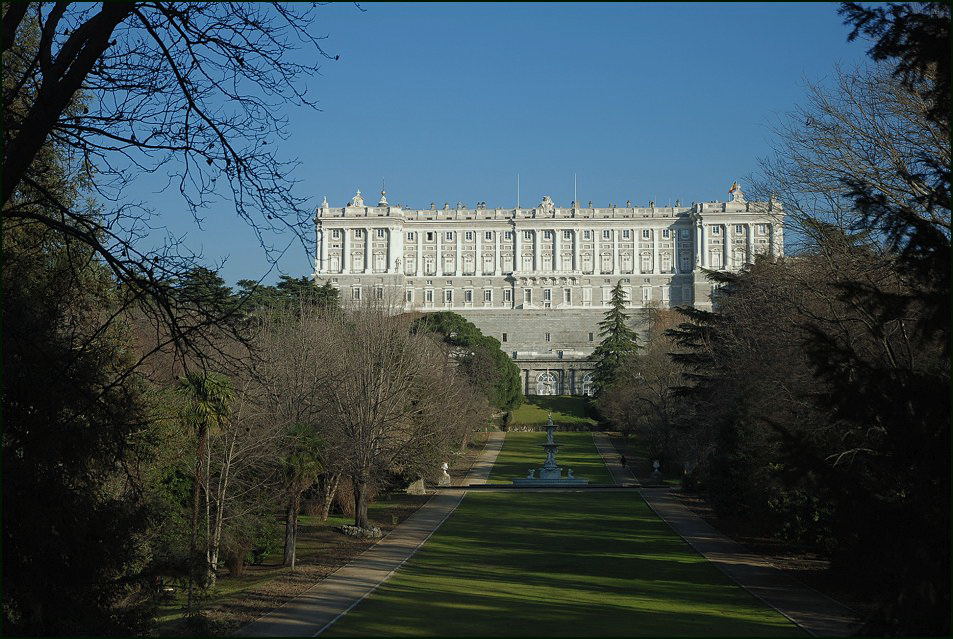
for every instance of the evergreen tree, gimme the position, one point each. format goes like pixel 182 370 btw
pixel 618 341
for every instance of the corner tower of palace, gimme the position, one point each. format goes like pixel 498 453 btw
pixel 538 279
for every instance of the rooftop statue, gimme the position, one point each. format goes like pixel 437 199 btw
pixel 736 194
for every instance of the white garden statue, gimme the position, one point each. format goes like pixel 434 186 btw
pixel 444 479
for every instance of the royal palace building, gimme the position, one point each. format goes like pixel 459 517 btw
pixel 539 279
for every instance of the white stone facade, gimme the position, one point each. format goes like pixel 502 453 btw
pixel 515 271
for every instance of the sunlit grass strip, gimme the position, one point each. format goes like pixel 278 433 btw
pixel 559 564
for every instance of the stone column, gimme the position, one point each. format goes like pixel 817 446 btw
pixel 557 262
pixel 367 250
pixel 537 251
pixel 615 251
pixel 497 257
pixel 345 258
pixel 729 247
pixel 517 264
pixel 478 267
pixel 323 251
pixel 597 251
pixel 656 267
pixel 399 256
pixel 698 244
pixel 419 266
pixel 391 252
pixel 749 244
pixel 439 257
pixel 676 263
pixel 457 261
pixel 575 251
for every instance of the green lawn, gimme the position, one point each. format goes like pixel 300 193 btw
pixel 559 564
pixel 522 451
pixel 566 409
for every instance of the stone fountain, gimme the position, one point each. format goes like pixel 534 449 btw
pixel 549 474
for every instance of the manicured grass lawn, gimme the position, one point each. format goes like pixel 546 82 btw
pixel 566 410
pixel 522 451
pixel 559 564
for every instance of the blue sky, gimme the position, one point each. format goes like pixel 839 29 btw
pixel 448 102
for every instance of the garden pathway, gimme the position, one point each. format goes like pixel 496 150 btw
pixel 813 611
pixel 621 475
pixel 311 613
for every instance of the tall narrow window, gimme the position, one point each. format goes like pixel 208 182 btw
pixel 504 337
pixel 507 295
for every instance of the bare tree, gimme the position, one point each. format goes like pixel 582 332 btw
pixel 195 89
pixel 396 400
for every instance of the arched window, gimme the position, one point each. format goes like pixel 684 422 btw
pixel 546 384
pixel 587 384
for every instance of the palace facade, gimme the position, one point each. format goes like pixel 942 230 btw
pixel 539 279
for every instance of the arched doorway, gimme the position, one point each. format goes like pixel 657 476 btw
pixel 546 384
pixel 587 384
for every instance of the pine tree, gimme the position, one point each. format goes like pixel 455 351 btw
pixel 618 341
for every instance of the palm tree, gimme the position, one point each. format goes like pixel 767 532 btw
pixel 208 397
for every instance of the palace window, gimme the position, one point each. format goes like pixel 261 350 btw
pixel 430 236
pixel 762 229
pixel 527 235
pixel 646 294
pixel 567 235
pixel 379 293
pixel 335 234
pixel 548 337
pixel 448 296
pixel 448 235
pixel 527 296
pixel 592 336
pixel 739 229
pixel 488 235
pixel 356 294
pixel 567 295
pixel 507 295
pixel 468 296
pixel 646 234
pixel 716 230
pixel 587 235
pixel 380 232
pixel 646 263
pixel 547 295
pixel 468 236
pixel 666 263
pixel 410 296
pixel 504 337
pixel 716 259
pixel 428 296
pixel 587 295
pixel 410 236
pixel 508 235
pixel 607 234
pixel 548 235
pixel 626 234
pixel 487 295
pixel 666 233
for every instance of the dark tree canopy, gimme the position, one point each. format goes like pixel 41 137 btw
pixel 481 357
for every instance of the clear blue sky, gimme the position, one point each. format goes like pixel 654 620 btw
pixel 448 102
